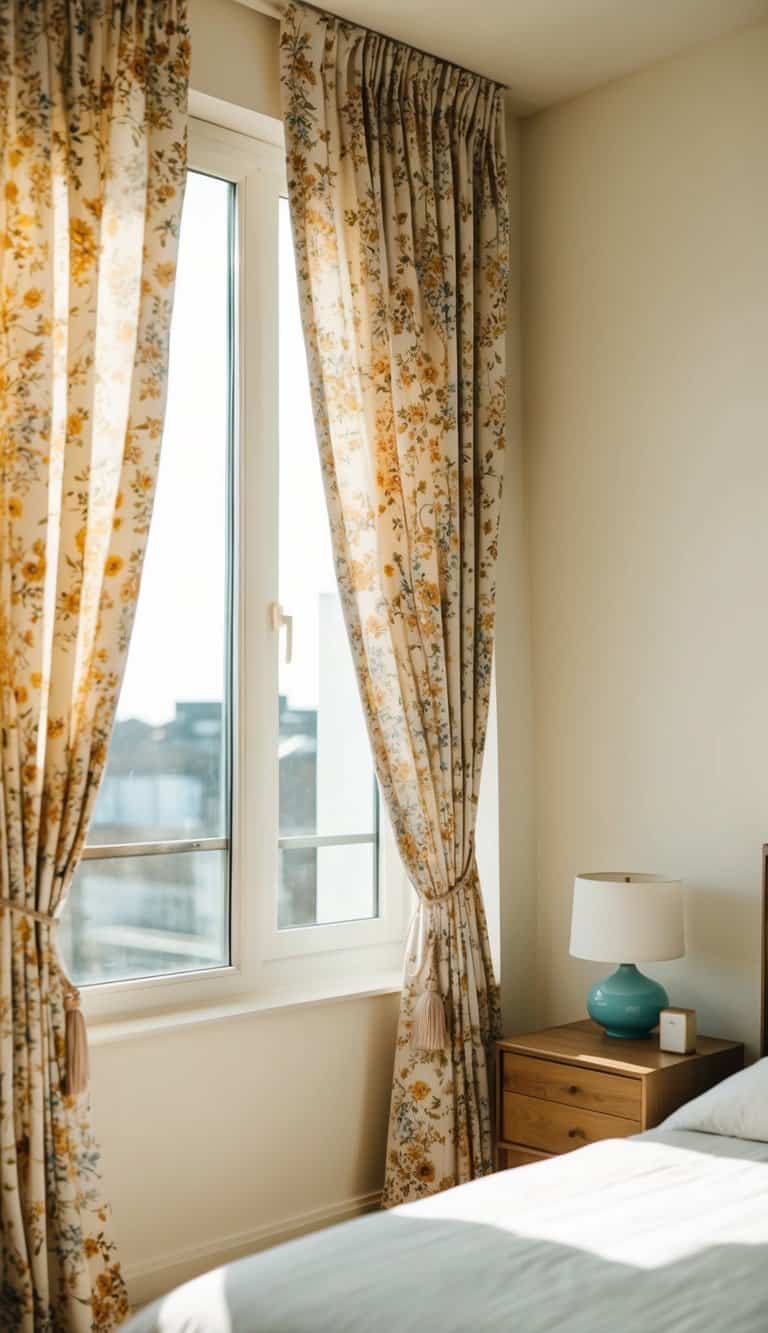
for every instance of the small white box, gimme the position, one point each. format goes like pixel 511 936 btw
pixel 677 1031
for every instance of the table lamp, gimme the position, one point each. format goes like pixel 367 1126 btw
pixel 624 915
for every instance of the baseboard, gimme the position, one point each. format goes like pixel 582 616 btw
pixel 149 1280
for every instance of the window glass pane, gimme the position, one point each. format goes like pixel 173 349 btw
pixel 327 782
pixel 138 916
pixel 167 770
pixel 166 773
pixel 320 885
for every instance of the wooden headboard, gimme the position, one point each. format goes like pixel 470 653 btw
pixel 764 975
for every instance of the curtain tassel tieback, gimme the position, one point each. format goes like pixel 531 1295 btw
pixel 76 1035
pixel 78 1070
pixel 430 1026
pixel 430 1029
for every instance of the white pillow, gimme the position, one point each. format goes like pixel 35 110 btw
pixel 737 1107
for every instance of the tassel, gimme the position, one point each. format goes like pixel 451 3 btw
pixel 430 1030
pixel 77 1045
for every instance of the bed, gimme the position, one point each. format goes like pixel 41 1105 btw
pixel 664 1232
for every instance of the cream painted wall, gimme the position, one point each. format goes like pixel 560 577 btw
pixel 645 328
pixel 221 1136
pixel 235 55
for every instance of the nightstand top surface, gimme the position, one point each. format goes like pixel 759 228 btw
pixel 585 1043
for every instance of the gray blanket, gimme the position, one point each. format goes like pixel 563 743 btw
pixel 665 1232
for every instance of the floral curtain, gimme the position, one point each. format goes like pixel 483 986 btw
pixel 92 167
pixel 398 194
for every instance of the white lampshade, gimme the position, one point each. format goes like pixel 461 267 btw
pixel 622 917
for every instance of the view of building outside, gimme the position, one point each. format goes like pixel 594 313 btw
pixel 138 915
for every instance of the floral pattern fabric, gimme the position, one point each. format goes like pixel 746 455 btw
pixel 92 167
pixel 398 194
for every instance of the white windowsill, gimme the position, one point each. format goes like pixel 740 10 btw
pixel 149 1024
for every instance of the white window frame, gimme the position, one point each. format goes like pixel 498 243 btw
pixel 265 962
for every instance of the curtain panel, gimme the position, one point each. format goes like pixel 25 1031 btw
pixel 93 98
pixel 398 193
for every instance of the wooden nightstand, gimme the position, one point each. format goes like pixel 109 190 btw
pixel 561 1088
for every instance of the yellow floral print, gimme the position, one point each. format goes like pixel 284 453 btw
pixel 92 167
pixel 397 184
pixel 82 249
pixel 419 1090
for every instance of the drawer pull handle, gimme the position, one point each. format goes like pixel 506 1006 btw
pixel 576 1134
pixel 573 1090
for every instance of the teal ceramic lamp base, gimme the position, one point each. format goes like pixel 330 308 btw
pixel 627 1003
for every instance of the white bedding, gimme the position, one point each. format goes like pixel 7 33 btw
pixel 663 1233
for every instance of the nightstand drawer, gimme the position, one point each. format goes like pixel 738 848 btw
pixel 514 1154
pixel 609 1093
pixel 553 1128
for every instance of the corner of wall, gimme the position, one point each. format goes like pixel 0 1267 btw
pixel 513 674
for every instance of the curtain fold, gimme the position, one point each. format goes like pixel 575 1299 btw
pixel 93 98
pixel 398 193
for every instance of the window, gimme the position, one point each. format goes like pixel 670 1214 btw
pixel 152 892
pixel 328 799
pixel 238 826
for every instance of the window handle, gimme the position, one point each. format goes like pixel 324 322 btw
pixel 278 620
